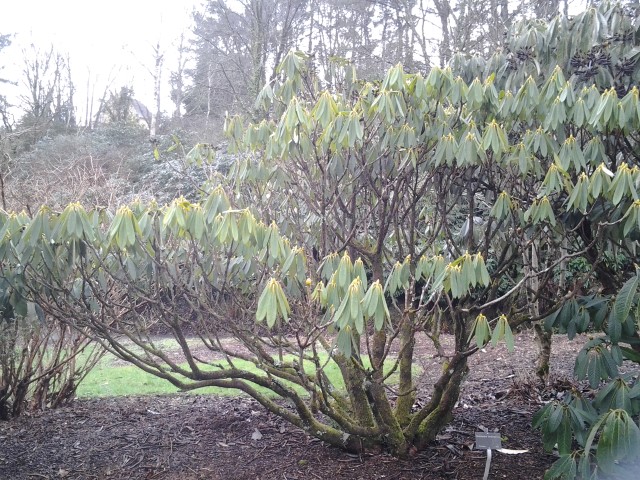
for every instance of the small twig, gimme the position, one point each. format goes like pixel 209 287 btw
pixel 258 454
pixel 112 425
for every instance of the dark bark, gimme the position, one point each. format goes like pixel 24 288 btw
pixel 543 340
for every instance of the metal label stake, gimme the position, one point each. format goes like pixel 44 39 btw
pixel 488 441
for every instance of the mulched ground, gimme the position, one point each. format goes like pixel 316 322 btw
pixel 203 437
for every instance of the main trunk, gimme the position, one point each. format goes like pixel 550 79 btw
pixel 543 339
pixel 406 388
pixel 443 413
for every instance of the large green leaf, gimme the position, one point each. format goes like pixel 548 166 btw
pixel 555 421
pixel 624 300
pixel 565 468
pixel 619 442
pixel 503 331
pixel 616 394
pixel 481 331
pixel 595 363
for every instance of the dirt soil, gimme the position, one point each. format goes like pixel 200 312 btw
pixel 186 436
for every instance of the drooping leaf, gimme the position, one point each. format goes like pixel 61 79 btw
pixel 565 468
pixel 624 300
pixel 619 442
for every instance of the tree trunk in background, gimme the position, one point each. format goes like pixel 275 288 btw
pixel 312 10
pixel 257 48
pixel 544 9
pixel 444 10
pixel 177 80
pixel 70 107
pixel 157 83
pixel 542 336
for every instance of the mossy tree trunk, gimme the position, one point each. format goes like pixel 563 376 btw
pixel 543 358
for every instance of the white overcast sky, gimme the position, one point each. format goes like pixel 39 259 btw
pixel 102 37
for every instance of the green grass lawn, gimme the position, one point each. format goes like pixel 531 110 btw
pixel 111 378
pixel 107 380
